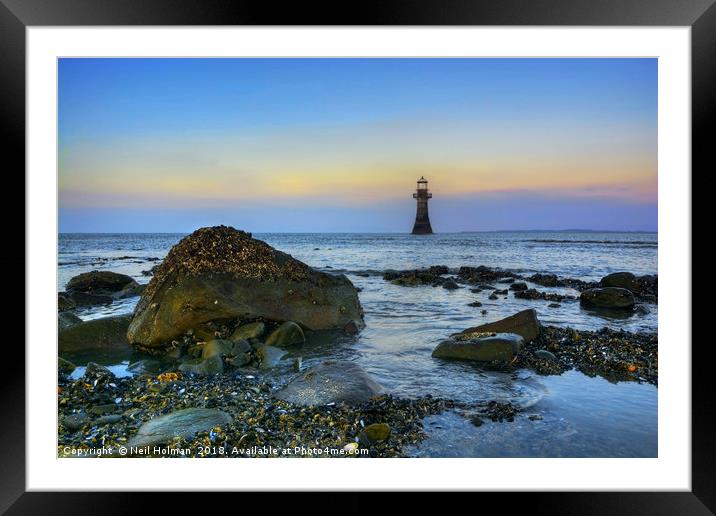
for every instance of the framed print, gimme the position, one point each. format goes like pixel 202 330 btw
pixel 420 250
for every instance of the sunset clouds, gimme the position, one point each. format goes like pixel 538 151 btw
pixel 221 136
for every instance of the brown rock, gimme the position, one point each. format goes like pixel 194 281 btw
pixel 524 324
pixel 223 273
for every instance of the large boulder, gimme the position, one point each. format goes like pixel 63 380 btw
pixel 481 346
pixel 524 324
pixel 181 423
pixel 608 297
pixel 332 381
pixel 105 333
pixel 223 273
pixel 100 282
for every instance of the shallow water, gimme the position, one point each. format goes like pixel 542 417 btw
pixel 582 416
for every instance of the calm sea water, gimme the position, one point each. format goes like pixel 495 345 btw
pixel 581 416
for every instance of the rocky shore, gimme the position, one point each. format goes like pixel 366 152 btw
pixel 223 309
pixel 229 415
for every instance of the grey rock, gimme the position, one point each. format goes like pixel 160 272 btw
pixel 545 355
pixel 181 423
pixel 331 381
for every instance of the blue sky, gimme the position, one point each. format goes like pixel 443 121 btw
pixel 337 144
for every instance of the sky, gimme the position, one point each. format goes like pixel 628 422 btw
pixel 337 145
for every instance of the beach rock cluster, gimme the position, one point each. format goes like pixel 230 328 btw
pixel 222 273
pixel 615 355
pixel 432 276
pixel 228 415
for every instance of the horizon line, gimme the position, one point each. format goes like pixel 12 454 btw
pixel 568 230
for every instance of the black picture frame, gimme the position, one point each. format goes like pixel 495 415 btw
pixel 700 15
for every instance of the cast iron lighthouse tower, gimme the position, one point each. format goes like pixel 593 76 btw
pixel 422 221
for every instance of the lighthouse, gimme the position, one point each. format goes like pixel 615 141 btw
pixel 422 221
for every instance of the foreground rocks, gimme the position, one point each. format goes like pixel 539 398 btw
pixel 107 333
pixel 198 417
pixel 331 381
pixel 222 273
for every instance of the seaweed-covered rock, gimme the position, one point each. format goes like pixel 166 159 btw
pixel 104 333
pixel 480 346
pixel 102 282
pixel 332 381
pixel 608 297
pixel 524 324
pixel 223 273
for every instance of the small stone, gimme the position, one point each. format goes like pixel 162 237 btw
pixel 377 431
pixel 74 422
pixel 351 328
pixel 535 417
pixel 109 419
pixel 554 305
pixel 288 334
pixel 65 366
pixel 204 367
pixel 450 285
pixel 269 355
pixel 100 410
pixel 220 347
pixel 249 331
pixel 475 304
pixel 545 355
pixel 240 360
pixel 476 420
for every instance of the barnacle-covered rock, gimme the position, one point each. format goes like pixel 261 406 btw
pixel 222 273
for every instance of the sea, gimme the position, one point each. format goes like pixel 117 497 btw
pixel 574 415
